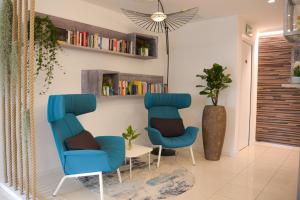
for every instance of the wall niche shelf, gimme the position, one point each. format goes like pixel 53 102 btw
pixel 291 85
pixel 131 42
pixel 94 81
pixel 291 28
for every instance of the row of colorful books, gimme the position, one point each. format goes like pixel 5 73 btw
pixel 140 88
pixel 127 88
pixel 91 40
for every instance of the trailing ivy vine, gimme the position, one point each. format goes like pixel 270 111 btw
pixel 46 47
pixel 5 40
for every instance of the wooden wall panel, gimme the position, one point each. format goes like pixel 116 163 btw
pixel 278 108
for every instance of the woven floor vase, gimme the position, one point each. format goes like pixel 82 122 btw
pixel 214 128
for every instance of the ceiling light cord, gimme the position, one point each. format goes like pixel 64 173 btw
pixel 161 5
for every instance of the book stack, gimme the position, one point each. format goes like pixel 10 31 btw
pixel 94 40
pixel 140 88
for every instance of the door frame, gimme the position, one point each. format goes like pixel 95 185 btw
pixel 247 42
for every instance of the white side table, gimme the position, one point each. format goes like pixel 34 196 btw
pixel 136 151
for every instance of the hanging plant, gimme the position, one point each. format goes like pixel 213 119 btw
pixel 5 40
pixel 46 47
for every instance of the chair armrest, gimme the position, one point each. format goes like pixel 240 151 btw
pixel 192 130
pixel 85 161
pixel 84 153
pixel 155 136
pixel 118 140
pixel 113 145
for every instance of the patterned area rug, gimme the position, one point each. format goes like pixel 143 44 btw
pixel 145 185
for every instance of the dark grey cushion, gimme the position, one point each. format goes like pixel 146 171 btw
pixel 82 141
pixel 168 127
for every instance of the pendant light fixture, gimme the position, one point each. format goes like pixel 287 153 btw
pixel 160 22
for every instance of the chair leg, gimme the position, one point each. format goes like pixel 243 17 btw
pixel 101 186
pixel 59 186
pixel 119 175
pixel 159 155
pixel 192 154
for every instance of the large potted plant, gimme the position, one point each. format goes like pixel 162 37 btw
pixel 214 116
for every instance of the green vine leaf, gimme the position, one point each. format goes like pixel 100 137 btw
pixel 216 81
pixel 46 48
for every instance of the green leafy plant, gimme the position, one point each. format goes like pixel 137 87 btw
pixel 130 135
pixel 216 81
pixel 296 69
pixel 5 41
pixel 46 47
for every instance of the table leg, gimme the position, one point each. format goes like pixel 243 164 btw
pixel 130 168
pixel 149 159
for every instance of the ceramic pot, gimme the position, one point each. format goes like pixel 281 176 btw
pixel 295 79
pixel 214 128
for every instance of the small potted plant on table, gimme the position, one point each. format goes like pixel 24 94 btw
pixel 214 116
pixel 130 135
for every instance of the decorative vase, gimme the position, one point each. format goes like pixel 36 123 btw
pixel 295 79
pixel 214 127
pixel 144 51
pixel 129 145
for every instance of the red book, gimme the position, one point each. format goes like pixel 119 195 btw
pixel 115 44
pixel 84 43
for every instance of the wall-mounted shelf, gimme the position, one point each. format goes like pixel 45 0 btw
pixel 93 81
pixel 291 85
pixel 133 39
pixel 291 27
pixel 71 46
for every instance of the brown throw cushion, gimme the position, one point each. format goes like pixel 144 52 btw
pixel 82 141
pixel 168 127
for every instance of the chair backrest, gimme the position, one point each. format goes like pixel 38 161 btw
pixel 62 112
pixel 165 106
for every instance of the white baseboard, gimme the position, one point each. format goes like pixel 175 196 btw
pixel 11 192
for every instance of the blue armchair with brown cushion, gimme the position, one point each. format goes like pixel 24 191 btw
pixel 165 107
pixel 62 116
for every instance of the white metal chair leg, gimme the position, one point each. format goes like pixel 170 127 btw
pixel 82 175
pixel 119 175
pixel 192 154
pixel 59 186
pixel 101 186
pixel 159 156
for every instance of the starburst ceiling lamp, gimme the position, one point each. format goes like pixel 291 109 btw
pixel 160 22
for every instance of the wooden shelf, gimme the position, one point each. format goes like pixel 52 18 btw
pixel 67 24
pixel 92 81
pixel 71 46
pixel 291 85
pixel 119 96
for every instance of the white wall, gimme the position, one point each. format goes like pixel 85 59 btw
pixel 112 115
pixel 197 46
pixel 193 47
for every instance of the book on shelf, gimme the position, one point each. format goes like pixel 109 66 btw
pixel 96 41
pixel 140 88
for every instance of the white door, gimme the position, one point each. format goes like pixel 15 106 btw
pixel 245 96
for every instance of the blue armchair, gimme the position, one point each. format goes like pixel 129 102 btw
pixel 166 106
pixel 62 112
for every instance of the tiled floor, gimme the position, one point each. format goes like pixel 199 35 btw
pixel 260 172
pixel 4 195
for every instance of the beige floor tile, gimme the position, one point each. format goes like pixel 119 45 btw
pixel 260 172
pixel 217 197
pixel 235 192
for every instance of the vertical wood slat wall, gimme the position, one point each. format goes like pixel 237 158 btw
pixel 278 108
